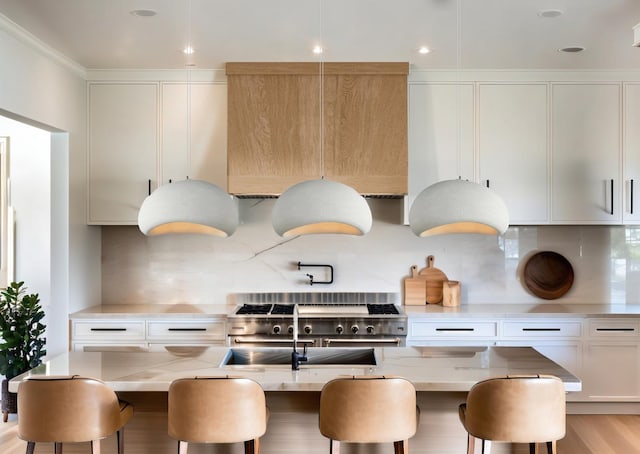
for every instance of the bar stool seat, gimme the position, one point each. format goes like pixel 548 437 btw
pixel 217 410
pixel 368 409
pixel 70 409
pixel 517 409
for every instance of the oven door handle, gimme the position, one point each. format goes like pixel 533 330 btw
pixel 239 340
pixel 388 340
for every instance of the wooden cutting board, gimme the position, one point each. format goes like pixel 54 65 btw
pixel 415 288
pixel 434 280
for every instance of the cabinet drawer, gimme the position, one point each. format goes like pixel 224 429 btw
pixel 108 329
pixel 542 329
pixel 452 330
pixel 187 330
pixel 614 328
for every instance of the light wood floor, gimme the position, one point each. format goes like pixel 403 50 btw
pixel 586 434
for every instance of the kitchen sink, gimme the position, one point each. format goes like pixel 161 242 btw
pixel 316 356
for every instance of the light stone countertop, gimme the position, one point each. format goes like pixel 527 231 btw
pixel 542 310
pixel 183 310
pixel 441 369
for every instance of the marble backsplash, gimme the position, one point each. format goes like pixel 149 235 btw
pixel 198 269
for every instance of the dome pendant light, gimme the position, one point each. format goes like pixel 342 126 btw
pixel 321 206
pixel 458 206
pixel 189 206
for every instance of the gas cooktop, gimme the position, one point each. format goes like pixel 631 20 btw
pixel 328 308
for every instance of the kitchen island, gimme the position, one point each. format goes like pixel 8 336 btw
pixel 441 375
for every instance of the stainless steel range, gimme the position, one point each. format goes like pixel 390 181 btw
pixel 325 319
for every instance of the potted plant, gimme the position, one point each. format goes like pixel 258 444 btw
pixel 21 338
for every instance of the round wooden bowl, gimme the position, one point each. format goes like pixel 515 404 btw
pixel 548 275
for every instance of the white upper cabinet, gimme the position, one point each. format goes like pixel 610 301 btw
pixel 441 146
pixel 586 153
pixel 512 148
pixel 206 157
pixel 123 148
pixel 631 206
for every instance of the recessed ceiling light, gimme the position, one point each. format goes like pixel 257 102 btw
pixel 424 50
pixel 188 50
pixel 550 13
pixel 571 49
pixel 143 12
pixel 318 50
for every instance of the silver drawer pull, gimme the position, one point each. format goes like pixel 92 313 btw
pixel 108 329
pixel 455 329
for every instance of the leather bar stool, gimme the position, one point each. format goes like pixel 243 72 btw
pixel 368 409
pixel 70 409
pixel 517 409
pixel 217 410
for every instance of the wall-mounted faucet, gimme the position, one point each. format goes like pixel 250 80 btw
pixel 310 276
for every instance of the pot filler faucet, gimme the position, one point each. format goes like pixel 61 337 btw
pixel 310 276
pixel 296 357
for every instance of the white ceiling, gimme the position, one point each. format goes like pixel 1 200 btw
pixel 494 34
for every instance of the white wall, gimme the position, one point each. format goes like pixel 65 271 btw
pixel 40 87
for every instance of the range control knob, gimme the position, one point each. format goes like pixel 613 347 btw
pixel 307 329
pixel 370 329
pixel 355 329
pixel 339 329
pixel 276 329
pixel 290 329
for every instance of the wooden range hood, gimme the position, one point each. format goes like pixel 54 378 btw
pixel 274 126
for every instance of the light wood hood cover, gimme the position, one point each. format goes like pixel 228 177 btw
pixel 274 126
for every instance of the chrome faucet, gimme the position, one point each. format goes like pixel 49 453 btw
pixel 296 357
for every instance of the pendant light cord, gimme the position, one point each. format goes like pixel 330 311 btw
pixel 190 47
pixel 321 87
pixel 458 91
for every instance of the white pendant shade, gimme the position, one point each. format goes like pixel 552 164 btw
pixel 189 206
pixel 321 206
pixel 458 206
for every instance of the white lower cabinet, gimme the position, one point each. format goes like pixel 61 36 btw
pixel 612 360
pixel 181 337
pixel 603 352
pixel 452 332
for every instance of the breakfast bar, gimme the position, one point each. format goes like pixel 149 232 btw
pixel 441 376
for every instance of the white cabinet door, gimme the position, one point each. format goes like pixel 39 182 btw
pixel 441 146
pixel 206 157
pixel 611 362
pixel 512 144
pixel 586 153
pixel 631 207
pixel 611 371
pixel 123 147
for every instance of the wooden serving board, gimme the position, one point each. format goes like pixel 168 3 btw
pixel 434 280
pixel 415 288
